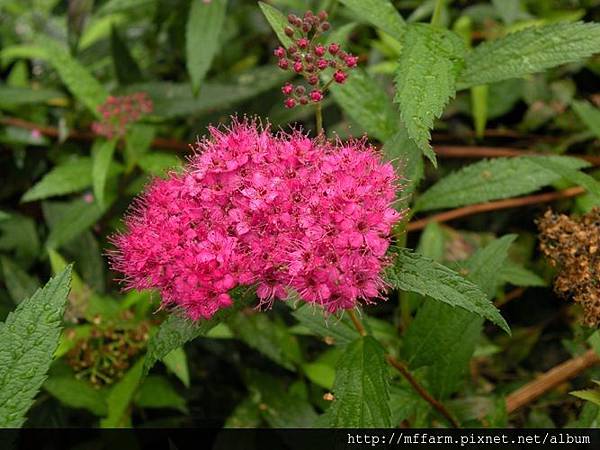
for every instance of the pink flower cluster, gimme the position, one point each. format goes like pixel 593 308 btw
pixel 307 57
pixel 280 212
pixel 118 112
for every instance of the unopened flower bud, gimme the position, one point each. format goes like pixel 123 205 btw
pixel 304 100
pixel 279 52
pixel 283 64
pixel 289 103
pixel 292 19
pixel 322 15
pixel 319 50
pixel 325 26
pixel 340 76
pixel 310 68
pixel 306 26
pixel 322 64
pixel 287 88
pixel 300 90
pixel 334 48
pixel 298 67
pixel 309 58
pixel 292 49
pixel 316 96
pixel 302 42
pixel 313 79
pixel 351 60
pixel 288 31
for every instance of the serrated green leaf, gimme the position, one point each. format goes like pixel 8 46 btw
pixel 589 115
pixel 79 216
pixel 30 335
pixel 443 337
pixel 76 393
pixel 203 29
pixel 430 62
pixel 176 362
pixel 102 154
pixel 176 330
pixel 367 104
pixel 380 13
pixel 519 276
pixel 529 51
pixel 491 180
pixel 177 99
pixel 126 68
pixel 77 79
pixel 157 392
pixel 361 389
pixel 415 273
pixel 269 336
pixel 20 284
pixel 278 22
pixel 121 395
pixel 71 176
pixel 591 395
pixel 591 185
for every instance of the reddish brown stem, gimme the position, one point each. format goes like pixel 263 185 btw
pixel 494 206
pixel 550 380
pixel 439 407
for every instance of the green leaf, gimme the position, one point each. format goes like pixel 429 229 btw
pixel 11 96
pixel 407 159
pixel 589 115
pixel 113 6
pixel 176 362
pixel 519 276
pixel 380 13
pixel 137 142
pixel 278 22
pixel 528 51
pixel 126 68
pixel 176 330
pixel 443 337
pixel 340 331
pixel 177 99
pixel 158 163
pixel 415 273
pixel 279 406
pixel 367 104
pixel 564 170
pixel 121 395
pixel 361 388
pixel 19 284
pixel 79 216
pixel 430 62
pixel 29 337
pixel 591 395
pixel 102 155
pixel 491 180
pixel 76 393
pixel 245 415
pixel 270 337
pixel 77 79
pixel 157 392
pixel 71 176
pixel 18 234
pixel 203 29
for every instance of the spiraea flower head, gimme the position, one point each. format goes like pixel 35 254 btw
pixel 309 58
pixel 280 212
pixel 118 112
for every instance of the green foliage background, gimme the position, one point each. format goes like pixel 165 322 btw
pixel 509 73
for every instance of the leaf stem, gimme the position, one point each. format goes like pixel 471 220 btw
pixel 319 118
pixel 357 323
pixel 439 407
pixel 436 19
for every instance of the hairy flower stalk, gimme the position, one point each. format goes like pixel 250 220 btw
pixel 280 212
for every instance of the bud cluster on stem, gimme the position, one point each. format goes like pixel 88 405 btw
pixel 308 57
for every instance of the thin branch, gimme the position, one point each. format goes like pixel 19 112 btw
pixel 439 407
pixel 549 380
pixel 512 295
pixel 459 151
pixel 494 206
